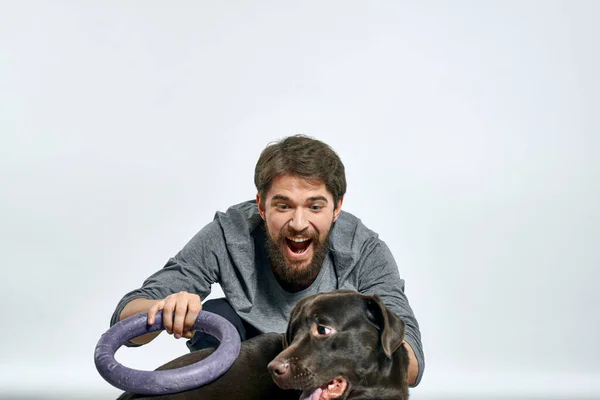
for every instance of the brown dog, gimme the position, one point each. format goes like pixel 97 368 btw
pixel 346 344
pixel 343 344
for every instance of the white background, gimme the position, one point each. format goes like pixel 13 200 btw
pixel 469 130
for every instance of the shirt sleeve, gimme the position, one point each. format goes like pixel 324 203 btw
pixel 193 269
pixel 379 274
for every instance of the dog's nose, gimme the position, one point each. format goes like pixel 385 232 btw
pixel 278 367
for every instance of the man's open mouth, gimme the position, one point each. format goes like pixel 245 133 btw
pixel 298 245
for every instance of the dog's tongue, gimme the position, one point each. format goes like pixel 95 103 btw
pixel 314 395
pixel 332 390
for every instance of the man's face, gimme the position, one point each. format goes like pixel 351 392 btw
pixel 298 216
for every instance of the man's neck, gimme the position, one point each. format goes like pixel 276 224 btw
pixel 294 287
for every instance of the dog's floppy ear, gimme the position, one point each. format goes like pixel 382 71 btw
pixel 292 322
pixel 391 326
pixel 287 338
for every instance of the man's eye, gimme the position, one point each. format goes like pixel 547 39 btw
pixel 316 207
pixel 282 206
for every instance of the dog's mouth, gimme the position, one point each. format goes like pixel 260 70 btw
pixel 331 390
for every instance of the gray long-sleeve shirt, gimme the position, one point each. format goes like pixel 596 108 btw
pixel 231 251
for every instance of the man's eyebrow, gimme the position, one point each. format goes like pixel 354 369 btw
pixel 318 198
pixel 280 197
pixel 310 199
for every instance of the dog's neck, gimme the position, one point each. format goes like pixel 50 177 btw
pixel 382 383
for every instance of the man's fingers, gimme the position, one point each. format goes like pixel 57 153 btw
pixel 188 334
pixel 193 309
pixel 168 310
pixel 153 310
pixel 179 311
pixel 180 315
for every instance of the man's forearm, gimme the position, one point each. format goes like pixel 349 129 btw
pixel 413 364
pixel 134 307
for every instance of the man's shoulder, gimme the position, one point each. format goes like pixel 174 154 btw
pixel 246 209
pixel 353 246
pixel 239 220
pixel 349 235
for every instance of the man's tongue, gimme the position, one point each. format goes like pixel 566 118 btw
pixel 298 247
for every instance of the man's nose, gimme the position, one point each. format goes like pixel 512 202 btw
pixel 299 222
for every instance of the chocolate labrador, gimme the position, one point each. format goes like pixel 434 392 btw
pixel 338 345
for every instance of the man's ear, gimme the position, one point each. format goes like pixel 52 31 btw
pixel 338 209
pixel 391 327
pixel 261 209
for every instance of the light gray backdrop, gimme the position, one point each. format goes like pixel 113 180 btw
pixel 469 130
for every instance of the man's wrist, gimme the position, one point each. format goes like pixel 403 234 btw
pixel 413 364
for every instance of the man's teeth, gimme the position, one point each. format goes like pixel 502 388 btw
pixel 297 240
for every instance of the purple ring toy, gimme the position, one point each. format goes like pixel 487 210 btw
pixel 166 381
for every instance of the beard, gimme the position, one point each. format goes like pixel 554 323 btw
pixel 294 273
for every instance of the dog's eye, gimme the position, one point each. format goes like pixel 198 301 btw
pixel 321 330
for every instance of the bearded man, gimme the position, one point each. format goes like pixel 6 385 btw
pixel 292 241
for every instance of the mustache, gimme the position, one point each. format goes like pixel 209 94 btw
pixel 289 272
pixel 291 232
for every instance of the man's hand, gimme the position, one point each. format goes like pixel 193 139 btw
pixel 179 312
pixel 413 364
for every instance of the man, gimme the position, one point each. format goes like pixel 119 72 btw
pixel 292 241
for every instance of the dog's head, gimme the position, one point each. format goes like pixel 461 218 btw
pixel 337 341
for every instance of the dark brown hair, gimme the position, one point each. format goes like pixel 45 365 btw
pixel 302 156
